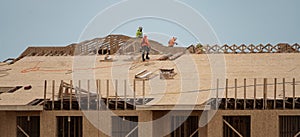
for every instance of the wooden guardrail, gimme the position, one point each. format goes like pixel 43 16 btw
pixel 243 49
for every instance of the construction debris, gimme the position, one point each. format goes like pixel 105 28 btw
pixel 144 75
pixel 167 73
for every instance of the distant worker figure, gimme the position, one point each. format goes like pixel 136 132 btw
pixel 139 32
pixel 172 42
pixel 145 47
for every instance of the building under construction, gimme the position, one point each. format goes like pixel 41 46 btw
pixel 100 87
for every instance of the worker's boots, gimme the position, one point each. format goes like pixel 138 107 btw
pixel 143 58
pixel 147 56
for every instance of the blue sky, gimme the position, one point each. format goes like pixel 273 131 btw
pixel 59 23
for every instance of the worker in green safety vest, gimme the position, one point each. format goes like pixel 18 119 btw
pixel 139 32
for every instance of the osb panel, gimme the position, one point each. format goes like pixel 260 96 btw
pixel 264 123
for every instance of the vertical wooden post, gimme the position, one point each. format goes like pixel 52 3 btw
pixel 107 94
pixel 116 95
pixel 265 104
pixel 245 96
pixel 53 92
pixel 217 94
pixel 45 92
pixel 254 101
pixel 134 90
pixel 98 94
pixel 235 93
pixel 62 96
pixel 88 95
pixel 294 93
pixel 71 93
pixel 283 89
pixel 69 126
pixel 143 92
pixel 79 100
pixel 226 94
pixel 275 90
pixel 125 94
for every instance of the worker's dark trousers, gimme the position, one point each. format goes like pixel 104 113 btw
pixel 147 56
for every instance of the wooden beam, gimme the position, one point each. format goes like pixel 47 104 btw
pixel 88 94
pixel 245 96
pixel 107 94
pixel 53 91
pixel 131 131
pixel 283 90
pixel 226 94
pixel 195 132
pixel 45 92
pixel 98 94
pixel 235 93
pixel 294 93
pixel 69 126
pixel 116 95
pixel 24 133
pixel 134 90
pixel 265 105
pixel 143 92
pixel 232 128
pixel 61 96
pixel 254 102
pixel 125 94
pixel 275 90
pixel 298 133
pixel 79 100
pixel 217 94
pixel 71 94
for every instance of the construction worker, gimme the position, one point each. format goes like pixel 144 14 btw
pixel 145 47
pixel 139 32
pixel 172 42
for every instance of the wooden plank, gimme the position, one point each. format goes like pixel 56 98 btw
pixel 24 133
pixel 79 100
pixel 143 92
pixel 71 94
pixel 265 105
pixel 69 126
pixel 98 94
pixel 294 82
pixel 45 91
pixel 61 96
pixel 134 93
pixel 125 94
pixel 132 131
pixel 232 128
pixel 298 133
pixel 217 94
pixel 235 93
pixel 88 95
pixel 53 91
pixel 275 90
pixel 107 94
pixel 194 132
pixel 283 90
pixel 226 94
pixel 245 96
pixel 116 95
pixel 254 101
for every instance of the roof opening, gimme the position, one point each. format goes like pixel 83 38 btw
pixel 9 89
